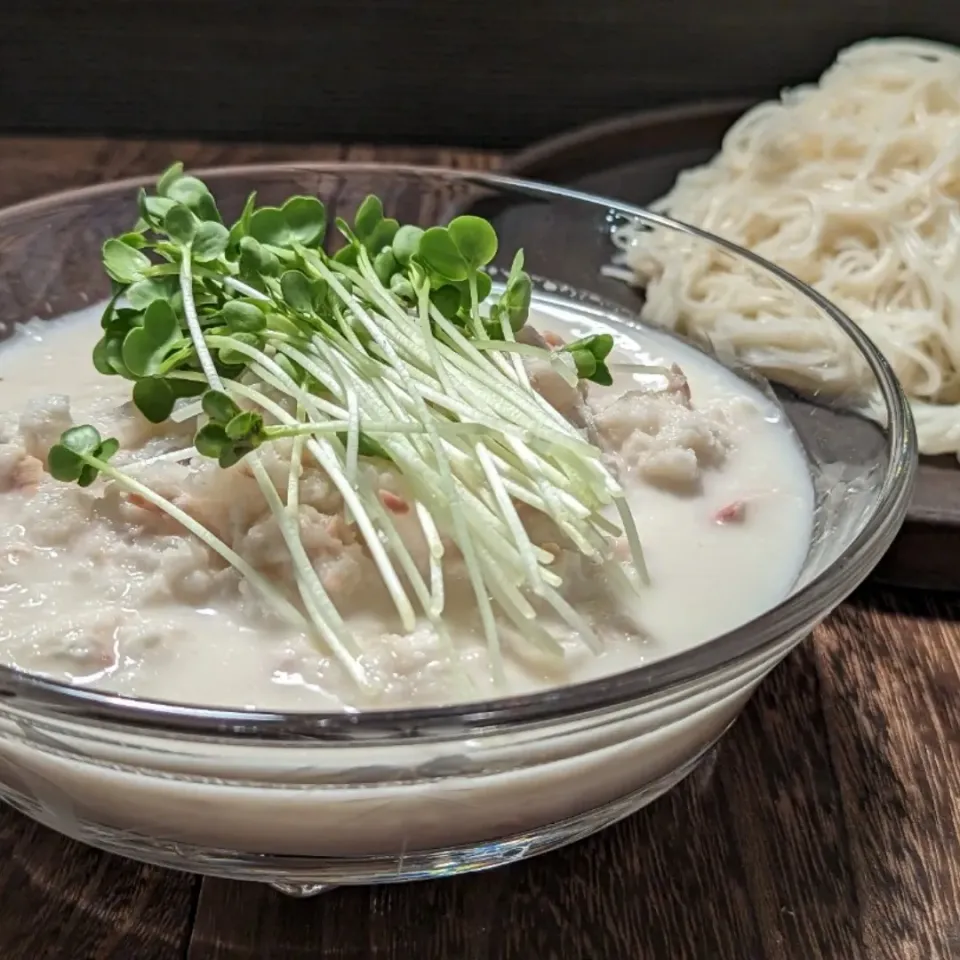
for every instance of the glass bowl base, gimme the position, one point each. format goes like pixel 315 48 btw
pixel 311 876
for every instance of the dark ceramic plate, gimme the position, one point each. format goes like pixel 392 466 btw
pixel 636 159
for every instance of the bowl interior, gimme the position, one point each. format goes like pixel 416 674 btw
pixel 861 469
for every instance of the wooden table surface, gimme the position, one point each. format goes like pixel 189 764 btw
pixel 826 825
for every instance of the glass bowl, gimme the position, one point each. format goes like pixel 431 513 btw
pixel 303 801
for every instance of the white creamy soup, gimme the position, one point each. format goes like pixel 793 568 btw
pixel 98 588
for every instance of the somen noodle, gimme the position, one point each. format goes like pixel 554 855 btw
pixel 853 185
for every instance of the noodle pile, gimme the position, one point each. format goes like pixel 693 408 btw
pixel 852 185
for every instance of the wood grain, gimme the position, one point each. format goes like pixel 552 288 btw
pixel 60 900
pixel 824 827
pixel 32 166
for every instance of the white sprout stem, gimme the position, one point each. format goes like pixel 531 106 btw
pixel 557 359
pixel 187 412
pixel 511 346
pixel 373 427
pixel 435 551
pixel 583 629
pixel 240 287
pixel 510 516
pixel 528 630
pixel 554 507
pixel 293 478
pixel 412 573
pixel 478 373
pixel 511 400
pixel 423 304
pixel 174 456
pixel 524 431
pixel 633 539
pixel 461 529
pixel 560 504
pixel 276 600
pixel 488 464
pixel 519 370
pixel 353 435
pixel 193 322
pixel 328 461
pixel 319 606
pixel 504 387
pixel 484 522
pixel 557 511
pixel 426 395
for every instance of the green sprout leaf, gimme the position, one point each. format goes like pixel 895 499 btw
pixel 400 286
pixel 297 291
pixel 586 363
pixel 371 228
pixel 154 398
pixel 109 312
pixel 101 357
pixel 458 251
pixel 108 448
pixel 194 195
pixel 484 286
pixel 602 345
pixel 243 317
pixel 348 255
pixel 124 263
pixel 246 425
pixel 367 446
pixel 515 299
pixel 301 220
pixel 598 344
pixel 81 440
pixel 447 300
pixel 63 464
pixel 368 216
pixel 229 442
pixel 256 261
pixel 385 265
pixel 211 440
pixel 382 236
pixel 242 227
pixel 146 347
pixel 133 239
pixel 589 354
pixel 153 209
pixel 602 375
pixel 142 293
pixel 441 255
pixel 167 179
pixel 181 224
pixel 70 460
pixel 406 243
pixel 475 239
pixel 219 407
pixel 346 231
pixel 108 356
pixel 233 455
pixel 210 241
pixel 306 219
pixel 268 225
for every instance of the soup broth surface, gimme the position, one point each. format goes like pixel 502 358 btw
pixel 98 589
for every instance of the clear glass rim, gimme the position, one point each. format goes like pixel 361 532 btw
pixel 798 611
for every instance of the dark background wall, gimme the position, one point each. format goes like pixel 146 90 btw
pixel 500 73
